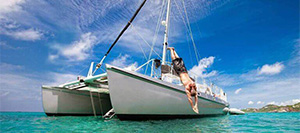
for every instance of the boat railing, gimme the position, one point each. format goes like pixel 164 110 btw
pixel 205 86
pixel 208 87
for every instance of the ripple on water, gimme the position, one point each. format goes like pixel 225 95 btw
pixel 254 122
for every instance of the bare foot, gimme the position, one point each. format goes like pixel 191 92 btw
pixel 170 48
pixel 196 109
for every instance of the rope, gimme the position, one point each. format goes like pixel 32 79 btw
pixel 92 102
pixel 100 104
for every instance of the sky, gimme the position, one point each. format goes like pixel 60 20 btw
pixel 249 48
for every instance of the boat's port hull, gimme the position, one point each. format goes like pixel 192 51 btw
pixel 65 102
pixel 135 95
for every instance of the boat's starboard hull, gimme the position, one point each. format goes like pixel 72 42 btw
pixel 137 96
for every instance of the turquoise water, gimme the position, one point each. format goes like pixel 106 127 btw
pixel 252 122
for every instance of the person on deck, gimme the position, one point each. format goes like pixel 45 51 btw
pixel 189 84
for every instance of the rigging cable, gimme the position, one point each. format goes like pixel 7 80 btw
pixel 200 34
pixel 163 7
pixel 134 29
pixel 143 51
pixel 185 24
pixel 190 52
pixel 78 73
pixel 191 33
pixel 140 45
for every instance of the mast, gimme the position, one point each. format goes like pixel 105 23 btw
pixel 166 33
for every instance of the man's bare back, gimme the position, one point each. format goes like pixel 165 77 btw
pixel 189 84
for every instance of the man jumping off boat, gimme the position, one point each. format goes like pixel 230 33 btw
pixel 189 84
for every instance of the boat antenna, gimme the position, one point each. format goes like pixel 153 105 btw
pixel 119 36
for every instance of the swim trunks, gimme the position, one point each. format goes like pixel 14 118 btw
pixel 179 66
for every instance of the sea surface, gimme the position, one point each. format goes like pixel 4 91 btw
pixel 251 122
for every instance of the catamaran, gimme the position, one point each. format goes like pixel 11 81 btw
pixel 132 95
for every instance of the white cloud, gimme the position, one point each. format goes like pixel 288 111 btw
pixel 11 28
pixel 124 61
pixel 273 103
pixel 77 50
pixel 61 78
pixel 200 69
pixel 284 103
pixel 250 102
pixel 7 6
pixel 80 50
pixel 271 69
pixel 120 61
pixel 27 35
pixel 132 67
pixel 52 57
pixel 8 24
pixel 237 91
pixel 280 89
pixel 260 102
pixel 289 102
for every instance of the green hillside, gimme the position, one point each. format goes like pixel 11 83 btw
pixel 275 108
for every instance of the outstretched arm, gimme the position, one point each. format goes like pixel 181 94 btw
pixel 195 108
pixel 189 96
pixel 188 93
pixel 196 100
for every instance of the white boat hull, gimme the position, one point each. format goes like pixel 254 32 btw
pixel 136 96
pixel 65 102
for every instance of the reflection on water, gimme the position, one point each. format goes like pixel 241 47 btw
pixel 255 122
